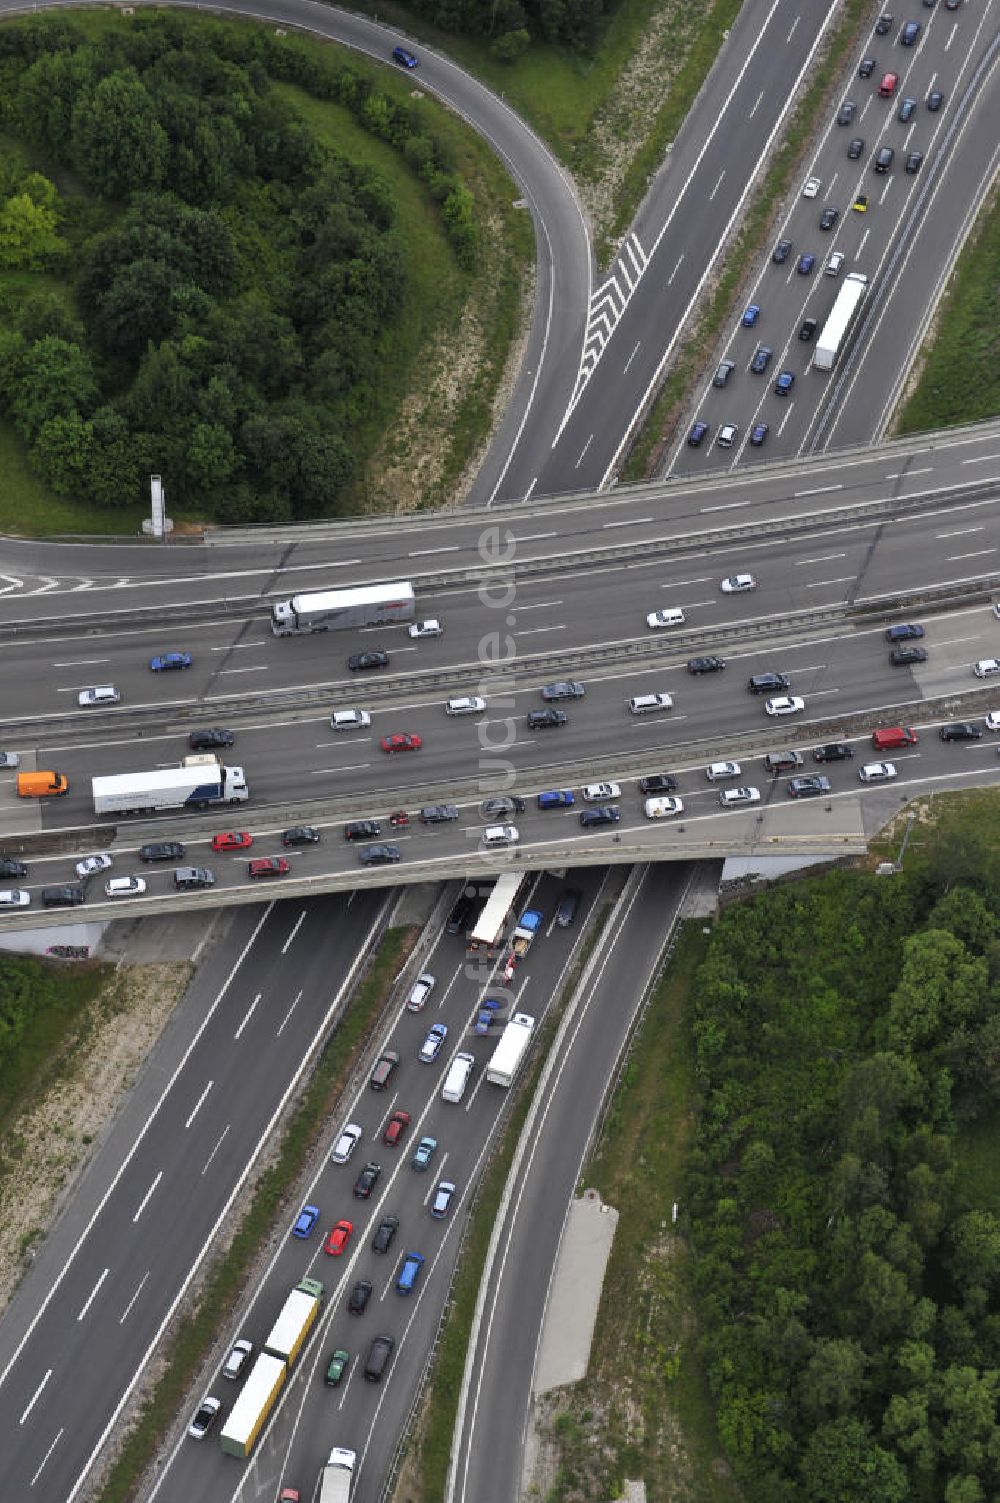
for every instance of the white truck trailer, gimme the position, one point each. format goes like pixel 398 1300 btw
pixel 333 610
pixel 492 921
pixel 253 1405
pixel 337 1476
pixel 169 788
pixel 295 1321
pixel 840 322
pixel 511 1049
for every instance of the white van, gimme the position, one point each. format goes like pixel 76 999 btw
pixel 350 720
pixel 457 1078
pixel 501 835
pixel 662 808
pixel 644 704
pixel 669 617
pixel 469 704
pixel 986 667
pixel 100 694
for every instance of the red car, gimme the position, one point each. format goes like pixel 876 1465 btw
pixel 269 866
pixel 401 741
pixel 232 840
pixel 395 1128
pixel 338 1239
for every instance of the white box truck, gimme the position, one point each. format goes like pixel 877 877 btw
pixel 488 932
pixel 169 788
pixel 838 325
pixel 511 1049
pixel 334 610
pixel 337 1476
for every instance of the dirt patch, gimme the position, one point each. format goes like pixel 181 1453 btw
pixel 50 1144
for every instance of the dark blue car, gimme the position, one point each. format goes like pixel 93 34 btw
pixel 555 798
pixel 403 58
pixel 168 660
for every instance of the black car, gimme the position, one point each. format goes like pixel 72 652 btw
pixel 563 690
pixel 387 1229
pixel 768 683
pixel 501 806
pixel 828 218
pixel 913 161
pixel 568 904
pixel 543 720
pixel 63 897
pixel 855 147
pixel 847 112
pixel 460 915
pixel 604 814
pixel 362 829
pixel 834 751
pixel 360 660
pixel 437 814
pixel 706 665
pixel 883 25
pixel 807 328
pixel 163 850
pixel 302 835
pixel 360 1295
pixel 209 739
pixel 658 782
pixel 367 1180
pixel 867 68
pixel 811 786
pixel 11 868
pixel 379 855
pixel 761 359
pixel 907 631
pixel 900 657
pixel 960 730
pixel 781 252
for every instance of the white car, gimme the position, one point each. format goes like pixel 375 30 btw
pixel 99 694
pixel 674 617
pixel 722 770
pixel 350 720
pixel 877 772
pixel 812 187
pixel 993 720
pixel 9 759
pixel 662 808
pixel 731 798
pixel 785 704
pixel 238 1358
pixel 15 897
pixel 208 1412
pixel 469 704
pixel 346 1144
pixel 737 583
pixel 90 865
pixel 420 991
pixel 125 887
pixel 832 267
pixel 430 628
pixel 501 835
pixel 599 793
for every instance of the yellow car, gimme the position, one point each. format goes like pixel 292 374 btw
pixel 860 204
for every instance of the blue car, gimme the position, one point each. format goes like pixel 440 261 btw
pixel 750 315
pixel 784 383
pixel 490 1006
pixel 308 1217
pixel 170 660
pixel 424 1152
pixel 556 798
pixel 698 431
pixel 806 264
pixel 759 434
pixel 431 1046
pixel 409 1273
pixel 403 58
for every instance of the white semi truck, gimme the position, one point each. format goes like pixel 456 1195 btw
pixel 333 610
pixel 838 326
pixel 337 1476
pixel 169 788
pixel 511 1049
pixel 491 923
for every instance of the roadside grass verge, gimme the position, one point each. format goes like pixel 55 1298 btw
pixel 57 998
pixel 694 352
pixel 644 1409
pixel 221 1286
pixel 432 1440
pixel 959 381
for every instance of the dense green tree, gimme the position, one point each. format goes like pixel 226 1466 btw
pixel 843 1464
pixel 62 451
pixel 53 379
pixel 115 474
pixel 119 146
pixel 833 1380
pixel 29 220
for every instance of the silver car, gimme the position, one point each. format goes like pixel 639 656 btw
pixel 15 897
pixel 420 991
pixel 346 1143
pixel 91 865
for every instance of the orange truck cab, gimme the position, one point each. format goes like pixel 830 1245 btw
pixel 41 784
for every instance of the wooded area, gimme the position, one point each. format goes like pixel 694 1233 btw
pixel 220 286
pixel 846 1028
pixel 514 24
